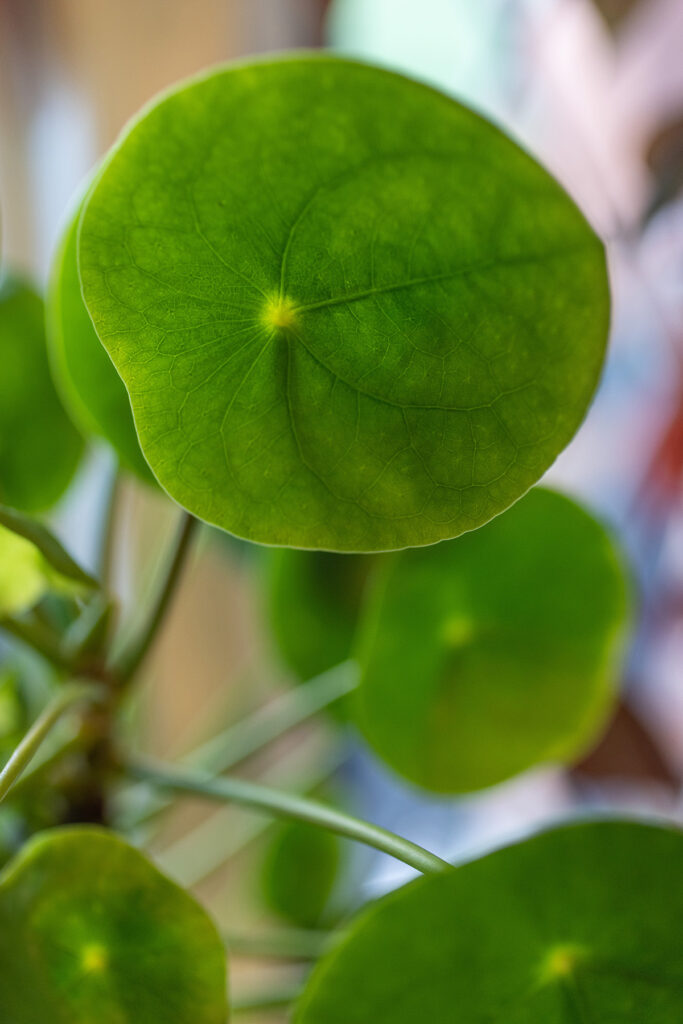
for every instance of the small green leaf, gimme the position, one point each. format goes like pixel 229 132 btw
pixel 91 388
pixel 314 599
pixel 299 872
pixel 39 447
pixel 23 576
pixel 482 657
pixel 47 544
pixel 91 931
pixel 581 924
pixel 359 323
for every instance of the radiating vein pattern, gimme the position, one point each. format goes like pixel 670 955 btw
pixel 350 314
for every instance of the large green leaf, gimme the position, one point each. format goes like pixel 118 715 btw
pixel 91 931
pixel 90 386
pixel 39 447
pixel 576 926
pixel 350 313
pixel 496 651
pixel 314 600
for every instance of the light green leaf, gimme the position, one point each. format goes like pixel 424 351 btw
pixel 350 313
pixel 47 544
pixel 39 447
pixel 581 924
pixel 91 388
pixel 91 931
pixel 314 600
pixel 484 656
pixel 24 577
pixel 299 872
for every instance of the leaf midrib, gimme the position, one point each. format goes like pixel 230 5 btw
pixel 450 275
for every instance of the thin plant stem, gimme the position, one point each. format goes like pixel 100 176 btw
pixel 36 772
pixel 228 831
pixel 287 805
pixel 108 528
pixel 39 637
pixel 263 1001
pixel 242 740
pixel 280 944
pixel 21 757
pixel 132 659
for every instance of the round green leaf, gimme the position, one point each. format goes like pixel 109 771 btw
pixel 581 924
pixel 91 931
pixel 91 388
pixel 482 657
pixel 350 313
pixel 299 872
pixel 314 600
pixel 39 447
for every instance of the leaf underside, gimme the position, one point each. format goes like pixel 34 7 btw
pixel 90 386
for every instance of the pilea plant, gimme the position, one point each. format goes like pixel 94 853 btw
pixel 324 307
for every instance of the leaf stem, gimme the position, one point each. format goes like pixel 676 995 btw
pixel 281 944
pixel 39 637
pixel 108 527
pixel 262 1002
pixel 243 739
pixel 287 805
pixel 132 659
pixel 21 757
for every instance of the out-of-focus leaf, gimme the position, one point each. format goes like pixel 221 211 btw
pixel 351 324
pixel 90 386
pixel 314 599
pixel 47 544
pixel 24 574
pixel 484 656
pixel 39 447
pixel 581 924
pixel 90 931
pixel 299 872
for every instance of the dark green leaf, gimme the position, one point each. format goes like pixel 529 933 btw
pixel 91 388
pixel 350 313
pixel 39 447
pixel 299 872
pixel 91 932
pixel 576 926
pixel 314 600
pixel 47 544
pixel 494 652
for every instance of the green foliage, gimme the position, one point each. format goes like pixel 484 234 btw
pixel 47 544
pixel 484 656
pixel 575 924
pixel 357 323
pixel 91 388
pixel 91 931
pixel 299 872
pixel 314 600
pixel 39 447
pixel 23 575
pixel 33 562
